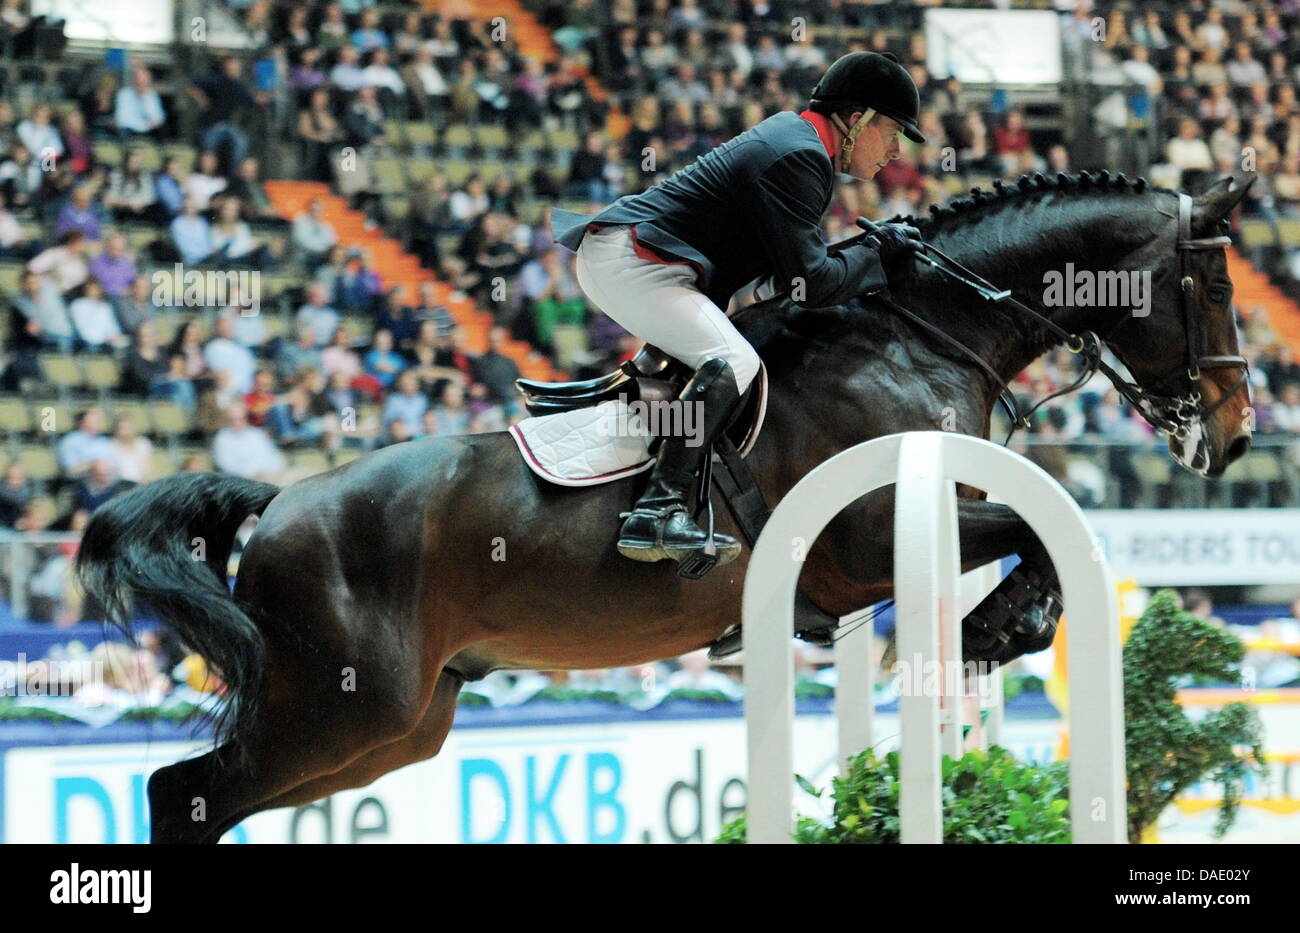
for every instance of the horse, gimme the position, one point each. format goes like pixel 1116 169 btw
pixel 368 595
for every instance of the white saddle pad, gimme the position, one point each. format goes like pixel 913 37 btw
pixel 600 444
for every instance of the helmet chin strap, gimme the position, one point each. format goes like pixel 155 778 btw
pixel 850 136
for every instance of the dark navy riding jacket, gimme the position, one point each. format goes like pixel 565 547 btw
pixel 751 207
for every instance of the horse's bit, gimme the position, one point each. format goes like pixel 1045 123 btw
pixel 1172 414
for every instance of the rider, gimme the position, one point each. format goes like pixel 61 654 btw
pixel 664 262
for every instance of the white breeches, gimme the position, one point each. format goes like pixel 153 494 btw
pixel 660 304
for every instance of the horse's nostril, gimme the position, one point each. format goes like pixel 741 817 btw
pixel 1237 449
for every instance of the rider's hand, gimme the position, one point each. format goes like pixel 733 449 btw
pixel 893 240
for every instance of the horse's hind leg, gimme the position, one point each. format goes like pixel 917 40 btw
pixel 300 735
pixel 424 742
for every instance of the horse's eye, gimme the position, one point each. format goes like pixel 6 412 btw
pixel 1218 295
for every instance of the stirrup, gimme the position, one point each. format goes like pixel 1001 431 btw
pixel 702 561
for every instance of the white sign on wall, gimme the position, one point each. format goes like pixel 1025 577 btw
pixel 994 46
pixel 617 782
pixel 1202 547
pixel 116 21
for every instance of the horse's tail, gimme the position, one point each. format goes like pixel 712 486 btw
pixel 164 546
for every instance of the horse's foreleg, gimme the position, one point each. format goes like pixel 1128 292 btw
pixel 857 551
pixel 1020 615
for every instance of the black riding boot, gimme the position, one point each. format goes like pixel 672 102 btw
pixel 660 527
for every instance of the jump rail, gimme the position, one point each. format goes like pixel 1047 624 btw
pixel 925 465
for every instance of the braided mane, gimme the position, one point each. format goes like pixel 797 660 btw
pixel 1028 185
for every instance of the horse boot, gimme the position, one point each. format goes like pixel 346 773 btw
pixel 660 526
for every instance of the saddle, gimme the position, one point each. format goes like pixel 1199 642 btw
pixel 651 376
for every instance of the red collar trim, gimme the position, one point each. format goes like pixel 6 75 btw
pixel 824 132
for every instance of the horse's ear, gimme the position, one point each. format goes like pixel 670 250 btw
pixel 1221 198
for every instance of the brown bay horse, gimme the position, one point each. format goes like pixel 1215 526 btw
pixel 368 595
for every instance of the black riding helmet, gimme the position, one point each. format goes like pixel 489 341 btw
pixel 877 81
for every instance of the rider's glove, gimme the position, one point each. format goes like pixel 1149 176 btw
pixel 893 240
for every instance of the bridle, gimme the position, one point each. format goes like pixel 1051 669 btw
pixel 1173 414
pixel 1176 414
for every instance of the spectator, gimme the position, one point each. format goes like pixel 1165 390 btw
pixel 697 675
pixel 144 363
pixel 78 155
pixel 244 450
pixel 13 239
pixel 63 266
pixel 303 414
pixel 1286 410
pixel 469 203
pixel 261 400
pixel 97 486
pixel 551 294
pixel 431 310
pixel 21 178
pixel 136 307
pixel 45 316
pixel 365 119
pixel 131 194
pixel 16 493
pixel 496 371
pixel 138 110
pixel 114 268
pixel 1244 69
pixel 99 106
pixel 223 352
pixel 307 75
pixel 38 134
pixel 1011 139
pixel 339 357
pixel 95 321
pixel 134 452
pixel 320 132
pixel 1188 151
pixel 427 89
pixel 248 187
pixel 332 33
pixel 191 235
pixel 347 74
pixel 382 362
pixel 232 238
pixel 453 414
pixel 343 399
pixel 587 170
pixel 317 314
pixel 81 213
pixel 303 353
pixel 312 233
pixel 206 181
pixel 175 384
pixel 382 75
pixel 398 431
pixel 407 404
pixel 224 100
pixel 188 342
pixel 81 448
pixel 169 189
pixel 358 288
